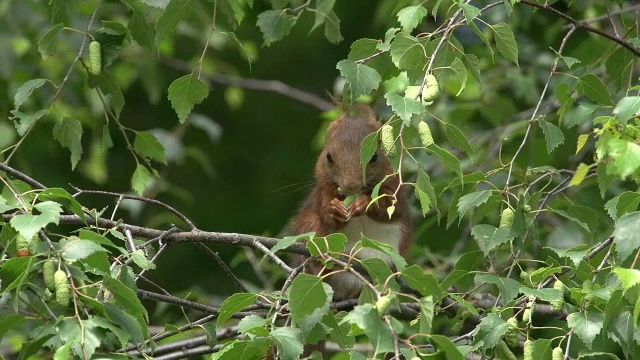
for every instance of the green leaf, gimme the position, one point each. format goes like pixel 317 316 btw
pixel 28 225
pixel 108 84
pixel 472 200
pixel 322 10
pixel 368 148
pixel 240 350
pixel 233 304
pixel 24 121
pixel 458 139
pixel 575 254
pixel 234 11
pixel 490 330
pixel 425 283
pixel 580 114
pixel 553 136
pixel 95 322
pixel 627 108
pixel 360 77
pixel 446 346
pixel 379 272
pixel 124 296
pixel 147 145
pixel 25 90
pixel 275 25
pixel 459 74
pixel 332 28
pixel 289 240
pixel 404 107
pixel 69 133
pixel 407 52
pixel 619 66
pixel 368 320
pixel 628 277
pixel 309 301
pixel 391 251
pixel 330 243
pixel 566 215
pixel 624 203
pixel 595 89
pixel 4 207
pixel 73 248
pixel 253 324
pixel 549 295
pixel 140 30
pixel 185 93
pixel 426 314
pixel 447 158
pixel 579 175
pixel 470 12
pixel 489 236
pixel 173 14
pixel 61 196
pixel 506 42
pixel 426 193
pixel 47 43
pixel 141 260
pixel 410 17
pixel 140 179
pixel 626 234
pixel 625 155
pixel 289 342
pixel 362 48
pixel 509 288
pixel 125 321
pixel 587 325
pixel 13 270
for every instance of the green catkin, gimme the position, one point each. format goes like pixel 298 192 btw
pixel 383 304
pixel 504 352
pixel 511 337
pixel 526 316
pixel 557 354
pixel 95 58
pixel 506 218
pixel 62 287
pixel 386 137
pixel 425 134
pixel 528 350
pixel 48 269
pixel 22 243
pixel 431 88
pixel 558 305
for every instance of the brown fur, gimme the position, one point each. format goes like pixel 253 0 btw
pixel 322 211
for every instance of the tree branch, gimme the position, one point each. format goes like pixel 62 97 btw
pixel 584 25
pixel 274 86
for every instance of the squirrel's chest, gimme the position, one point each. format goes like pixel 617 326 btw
pixel 390 233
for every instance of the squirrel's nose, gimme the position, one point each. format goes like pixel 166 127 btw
pixel 351 188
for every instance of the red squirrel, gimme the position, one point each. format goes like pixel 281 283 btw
pixel 338 173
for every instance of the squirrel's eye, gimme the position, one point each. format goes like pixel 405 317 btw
pixel 374 158
pixel 329 158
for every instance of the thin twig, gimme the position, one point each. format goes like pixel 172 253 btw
pixel 224 266
pixel 535 112
pixel 138 198
pixel 583 25
pixel 274 86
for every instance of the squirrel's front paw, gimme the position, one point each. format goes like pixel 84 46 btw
pixel 338 212
pixel 359 206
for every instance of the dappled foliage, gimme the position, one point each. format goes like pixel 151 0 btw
pixel 144 142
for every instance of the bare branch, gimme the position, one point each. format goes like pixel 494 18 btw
pixel 138 198
pixel 583 25
pixel 274 86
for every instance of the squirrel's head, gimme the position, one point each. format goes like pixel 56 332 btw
pixel 339 163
